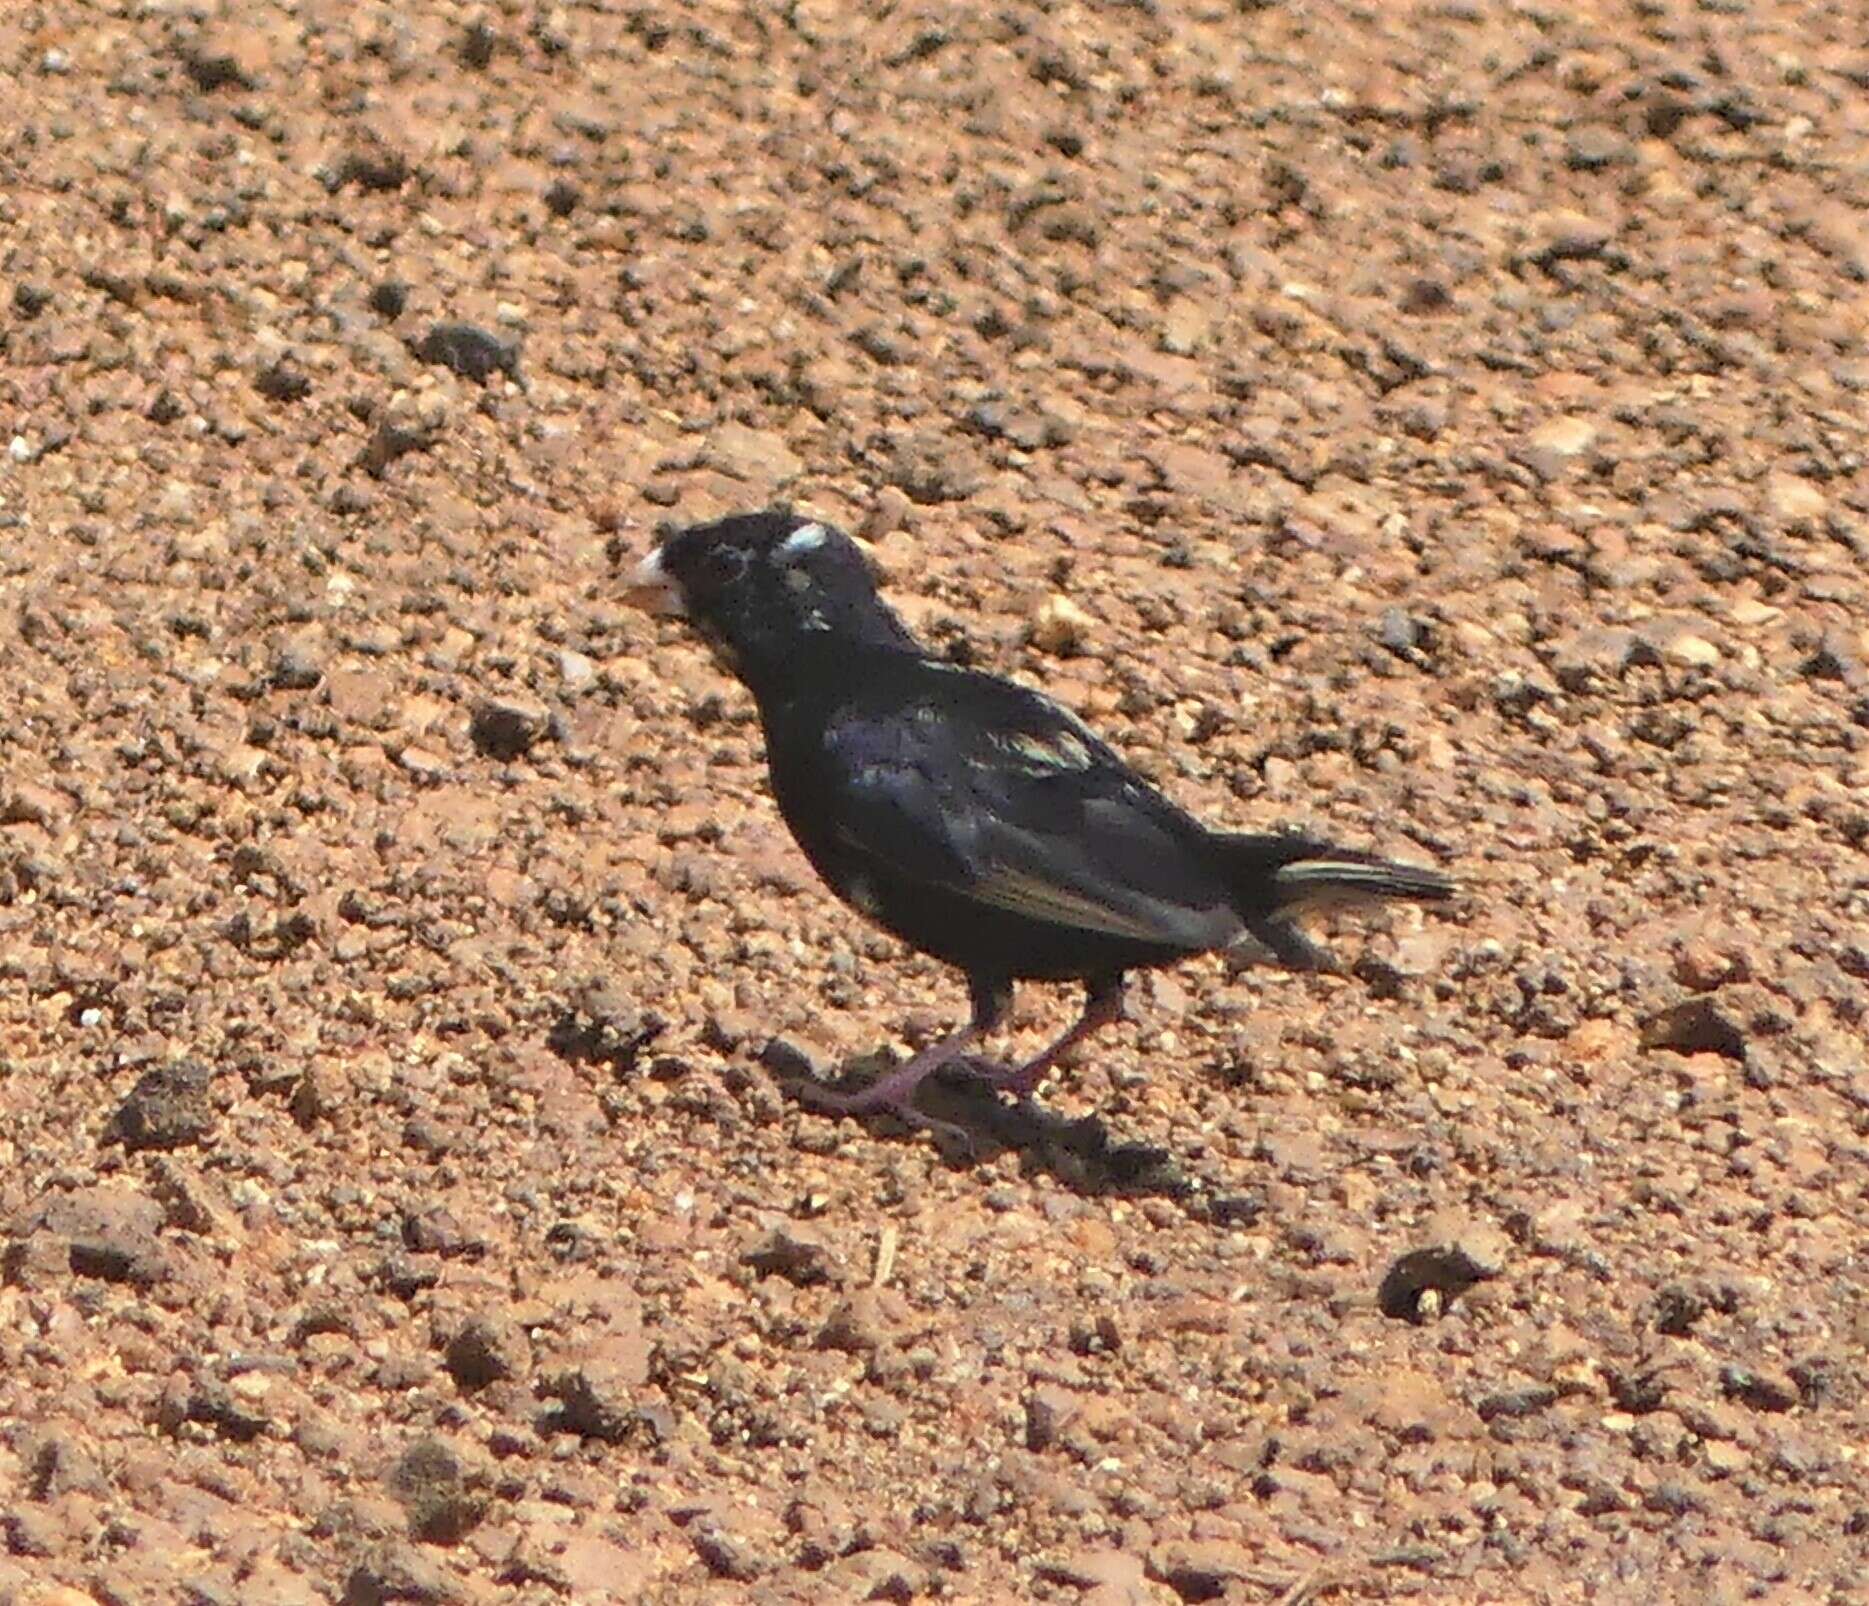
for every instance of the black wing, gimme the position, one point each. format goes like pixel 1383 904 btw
pixel 971 784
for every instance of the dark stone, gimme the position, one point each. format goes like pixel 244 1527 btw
pixel 487 1349
pixel 434 1487
pixel 389 298
pixel 282 382
pixel 470 351
pixel 213 1404
pixel 1760 1389
pixel 802 1258
pixel 1447 1269
pixel 380 170
pixel 507 727
pixel 167 1109
pixel 478 45
pixel 390 441
pixel 1694 1026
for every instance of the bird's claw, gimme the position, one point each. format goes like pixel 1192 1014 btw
pixel 1021 1081
pixel 952 1137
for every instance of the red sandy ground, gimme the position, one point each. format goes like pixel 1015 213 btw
pixel 1446 421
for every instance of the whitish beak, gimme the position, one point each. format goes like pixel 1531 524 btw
pixel 652 588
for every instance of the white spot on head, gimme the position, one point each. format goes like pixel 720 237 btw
pixel 806 538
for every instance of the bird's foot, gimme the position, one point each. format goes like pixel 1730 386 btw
pixel 900 1104
pixel 894 1092
pixel 1019 1080
pixel 1104 1006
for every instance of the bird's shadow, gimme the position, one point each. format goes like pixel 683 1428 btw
pixel 1079 1151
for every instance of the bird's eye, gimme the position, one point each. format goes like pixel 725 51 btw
pixel 724 564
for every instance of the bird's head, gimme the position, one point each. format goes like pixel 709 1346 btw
pixel 766 588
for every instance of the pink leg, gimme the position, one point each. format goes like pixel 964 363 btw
pixel 1102 1007
pixel 894 1091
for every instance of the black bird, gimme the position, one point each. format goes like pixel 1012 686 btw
pixel 974 818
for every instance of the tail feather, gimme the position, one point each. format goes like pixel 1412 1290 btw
pixel 1279 878
pixel 1350 879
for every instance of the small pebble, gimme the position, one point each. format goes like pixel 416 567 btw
pixel 1060 627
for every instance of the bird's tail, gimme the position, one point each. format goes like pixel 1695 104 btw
pixel 1276 879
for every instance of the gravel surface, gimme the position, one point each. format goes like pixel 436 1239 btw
pixel 1436 424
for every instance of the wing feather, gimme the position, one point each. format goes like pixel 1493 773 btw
pixel 1010 801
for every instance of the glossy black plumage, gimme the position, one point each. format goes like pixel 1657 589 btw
pixel 975 818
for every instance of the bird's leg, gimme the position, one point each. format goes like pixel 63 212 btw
pixel 1103 1006
pixel 895 1090
pixel 992 999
